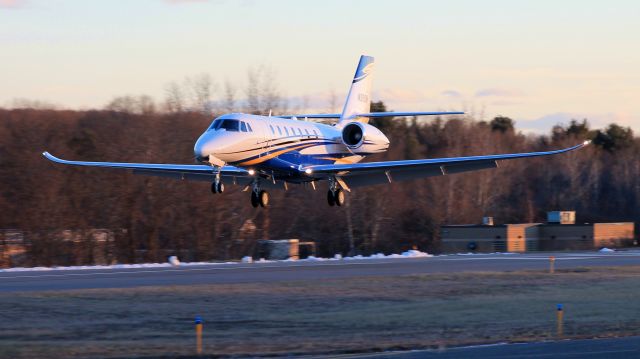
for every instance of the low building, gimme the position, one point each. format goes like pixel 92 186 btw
pixel 283 249
pixel 559 233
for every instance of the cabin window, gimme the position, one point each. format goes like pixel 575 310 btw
pixel 230 125
pixel 306 131
pixel 315 133
pixel 243 126
pixel 299 131
pixel 249 127
pixel 287 131
pixel 279 130
pixel 272 130
pixel 293 131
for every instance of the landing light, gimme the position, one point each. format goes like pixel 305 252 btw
pixel 308 171
pixel 252 172
pixel 587 142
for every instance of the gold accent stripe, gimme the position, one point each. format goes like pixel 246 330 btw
pixel 344 160
pixel 271 155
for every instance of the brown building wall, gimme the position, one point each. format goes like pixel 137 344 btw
pixel 534 236
pixel 522 237
pixel 613 234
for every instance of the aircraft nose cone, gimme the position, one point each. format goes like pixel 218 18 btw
pixel 200 149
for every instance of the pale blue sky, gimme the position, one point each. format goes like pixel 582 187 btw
pixel 536 61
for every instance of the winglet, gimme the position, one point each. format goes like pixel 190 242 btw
pixel 51 157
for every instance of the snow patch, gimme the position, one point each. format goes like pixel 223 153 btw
pixel 174 261
pixel 113 266
pixel 412 253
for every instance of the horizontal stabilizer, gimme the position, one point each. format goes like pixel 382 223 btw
pixel 373 114
pixel 389 114
pixel 312 115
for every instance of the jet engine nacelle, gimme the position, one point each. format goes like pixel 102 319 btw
pixel 361 138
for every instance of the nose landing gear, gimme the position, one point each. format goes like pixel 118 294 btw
pixel 217 187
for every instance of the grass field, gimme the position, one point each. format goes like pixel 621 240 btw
pixel 332 316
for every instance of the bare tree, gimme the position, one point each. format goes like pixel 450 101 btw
pixel 200 89
pixel 333 101
pixel 263 94
pixel 23 103
pixel 146 105
pixel 229 101
pixel 271 99
pixel 174 97
pixel 142 104
pixel 253 91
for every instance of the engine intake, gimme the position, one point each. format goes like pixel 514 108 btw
pixel 353 135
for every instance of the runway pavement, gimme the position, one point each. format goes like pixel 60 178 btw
pixel 623 348
pixel 301 270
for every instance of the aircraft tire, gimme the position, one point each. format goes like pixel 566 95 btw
pixel 263 198
pixel 214 188
pixel 254 200
pixel 339 197
pixel 331 199
pixel 220 187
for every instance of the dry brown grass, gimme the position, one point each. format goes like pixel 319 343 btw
pixel 357 314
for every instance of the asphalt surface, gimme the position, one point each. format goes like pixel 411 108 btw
pixel 588 348
pixel 11 281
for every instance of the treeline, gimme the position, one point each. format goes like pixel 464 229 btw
pixel 151 218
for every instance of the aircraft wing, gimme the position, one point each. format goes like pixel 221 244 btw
pixel 361 174
pixel 193 172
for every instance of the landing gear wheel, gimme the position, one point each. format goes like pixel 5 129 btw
pixel 339 197
pixel 254 199
pixel 220 187
pixel 214 188
pixel 331 199
pixel 263 198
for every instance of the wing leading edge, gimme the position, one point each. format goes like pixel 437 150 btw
pixel 370 173
pixel 197 172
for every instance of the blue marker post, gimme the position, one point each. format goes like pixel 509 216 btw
pixel 560 313
pixel 198 322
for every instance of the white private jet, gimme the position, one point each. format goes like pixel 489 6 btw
pixel 265 152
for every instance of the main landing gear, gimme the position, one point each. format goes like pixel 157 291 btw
pixel 335 195
pixel 335 198
pixel 259 197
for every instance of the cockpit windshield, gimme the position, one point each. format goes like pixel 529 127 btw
pixel 215 125
pixel 230 125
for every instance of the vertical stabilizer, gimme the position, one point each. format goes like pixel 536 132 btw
pixel 359 97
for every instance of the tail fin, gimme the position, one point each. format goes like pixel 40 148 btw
pixel 359 98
